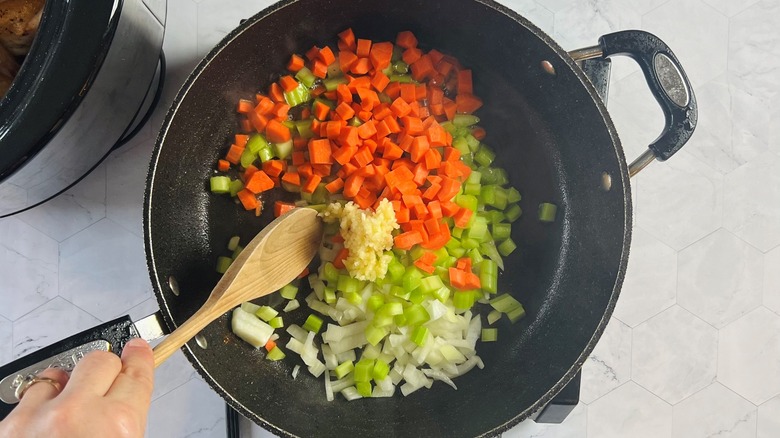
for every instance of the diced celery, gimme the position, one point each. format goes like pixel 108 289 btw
pixel 416 314
pixel 513 212
pixel 461 145
pixel 400 67
pixel 473 143
pixel 374 335
pixel 306 77
pixel 412 278
pixel 297 96
pixel 375 302
pixel 236 252
pixel 257 142
pixel 282 150
pixel 419 335
pixel 233 243
pixel 513 195
pixel 478 229
pixel 304 128
pixel 249 328
pixel 391 309
pixel 398 291
pixel 332 83
pixel 381 370
pixel 289 291
pixel 416 296
pixel 313 323
pixel 275 354
pixel 363 388
pixel 330 273
pixel 266 313
pixel 458 252
pixel 465 120
pixel 430 284
pixel 547 212
pixel 506 247
pixel 329 295
pixel 472 189
pixel 395 270
pixel 353 297
pixel 442 294
pixel 501 231
pixel 276 322
pixel 463 299
pixel 223 263
pixel 404 79
pixel 516 314
pixel 343 369
pixel 505 303
pixel 467 201
pixel 457 233
pixel 219 184
pixel 489 334
pixel 364 368
pixel 469 243
pixel 493 316
pixel 347 284
pixel 475 256
pixel 236 186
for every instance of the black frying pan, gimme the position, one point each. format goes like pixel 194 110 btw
pixel 553 135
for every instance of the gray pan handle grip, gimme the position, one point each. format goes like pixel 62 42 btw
pixel 110 336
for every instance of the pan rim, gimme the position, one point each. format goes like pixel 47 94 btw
pixel 567 61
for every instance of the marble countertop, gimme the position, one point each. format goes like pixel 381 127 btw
pixel 693 348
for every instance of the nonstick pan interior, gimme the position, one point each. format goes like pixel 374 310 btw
pixel 551 133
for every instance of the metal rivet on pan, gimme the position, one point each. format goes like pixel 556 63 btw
pixel 548 67
pixel 174 285
pixel 202 342
pixel 606 181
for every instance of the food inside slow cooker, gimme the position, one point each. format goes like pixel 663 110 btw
pixel 19 20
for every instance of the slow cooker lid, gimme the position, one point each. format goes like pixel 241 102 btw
pixel 72 41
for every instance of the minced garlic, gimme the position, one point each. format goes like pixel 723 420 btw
pixel 367 235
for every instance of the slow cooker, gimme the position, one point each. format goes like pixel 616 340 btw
pixel 79 90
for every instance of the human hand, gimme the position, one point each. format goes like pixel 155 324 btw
pixel 104 396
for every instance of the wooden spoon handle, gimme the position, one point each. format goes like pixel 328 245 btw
pixel 181 335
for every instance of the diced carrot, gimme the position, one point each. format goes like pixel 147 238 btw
pixel 344 95
pixel 347 37
pixel 462 217
pixel 450 107
pixel 424 266
pixel 281 208
pixel 367 129
pixel 322 170
pixel 439 240
pixel 451 154
pixel 348 137
pixel 419 147
pixel 305 170
pixel 430 192
pixel 270 345
pixel 449 208
pixel 311 184
pixel 432 159
pixel 411 55
pixel 464 264
pixel 362 157
pixel 275 92
pixel 363 47
pixel 292 178
pixel 319 151
pixel 399 107
pixel 288 83
pixel 295 64
pixel 449 188
pixel 234 154
pixel 335 185
pixel 381 55
pixel 422 68
pixel 380 81
pixel 320 110
pixel 361 66
pixel 457 278
pixel 352 185
pixel 434 209
pixel 464 82
pixel 223 165
pixel 478 132
pixel 467 103
pixel 249 171
pixel 274 167
pixel 368 98
pixel 258 121
pixel 259 182
pixel 344 110
pixel 408 239
pixel 245 125
pixel 244 106
pixel 248 199
pixel 382 130
pixel 276 132
pixel 406 39
pixel 472 281
pixel 264 106
pixel 326 56
pixel 319 69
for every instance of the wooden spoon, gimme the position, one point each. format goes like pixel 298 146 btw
pixel 278 254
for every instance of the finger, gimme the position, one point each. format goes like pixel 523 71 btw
pixel 42 391
pixel 135 382
pixel 94 374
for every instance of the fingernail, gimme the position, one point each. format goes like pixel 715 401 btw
pixel 136 343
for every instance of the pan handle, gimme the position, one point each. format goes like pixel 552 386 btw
pixel 65 354
pixel 667 81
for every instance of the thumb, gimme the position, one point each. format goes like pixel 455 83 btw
pixel 135 382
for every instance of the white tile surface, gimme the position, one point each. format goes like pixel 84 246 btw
pixel 48 324
pixel 609 365
pixel 28 268
pixel 749 355
pixel 646 416
pixel 651 280
pixel 720 278
pixel 714 411
pixel 669 365
pixel 103 270
pixel 726 181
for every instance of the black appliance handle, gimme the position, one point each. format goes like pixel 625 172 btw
pixel 110 336
pixel 668 83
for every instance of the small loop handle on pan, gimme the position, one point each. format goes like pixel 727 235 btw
pixel 667 81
